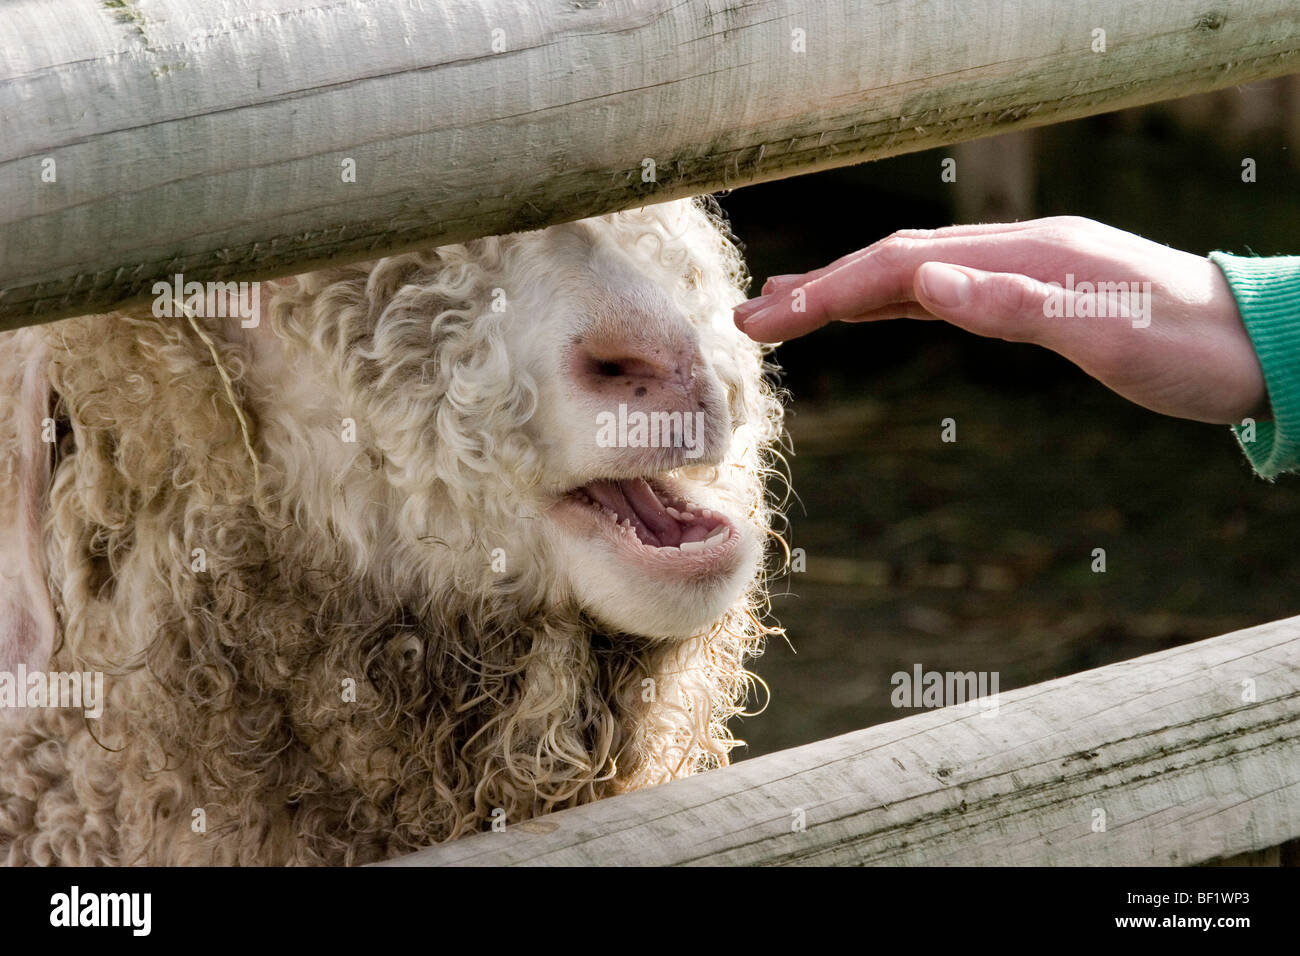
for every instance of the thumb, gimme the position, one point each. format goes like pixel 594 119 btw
pixel 1003 305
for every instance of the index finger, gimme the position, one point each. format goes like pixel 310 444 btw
pixel 879 277
pixel 784 282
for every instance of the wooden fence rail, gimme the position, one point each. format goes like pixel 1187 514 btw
pixel 1187 756
pixel 243 139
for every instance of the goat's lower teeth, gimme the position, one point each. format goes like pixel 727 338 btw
pixel 721 536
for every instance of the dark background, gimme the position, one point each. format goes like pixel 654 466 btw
pixel 976 555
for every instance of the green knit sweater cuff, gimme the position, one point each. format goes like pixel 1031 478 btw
pixel 1267 291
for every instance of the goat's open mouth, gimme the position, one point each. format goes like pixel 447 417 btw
pixel 648 516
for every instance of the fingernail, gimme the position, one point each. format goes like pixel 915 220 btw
pixel 773 281
pixel 758 317
pixel 944 285
pixel 752 306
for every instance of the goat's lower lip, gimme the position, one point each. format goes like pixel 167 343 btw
pixel 651 524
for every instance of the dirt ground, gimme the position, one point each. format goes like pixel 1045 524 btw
pixel 977 555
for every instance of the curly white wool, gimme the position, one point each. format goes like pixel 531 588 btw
pixel 361 564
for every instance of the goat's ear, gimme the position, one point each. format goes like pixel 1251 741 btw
pixel 27 623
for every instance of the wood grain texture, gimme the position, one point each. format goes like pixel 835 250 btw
pixel 1185 770
pixel 206 136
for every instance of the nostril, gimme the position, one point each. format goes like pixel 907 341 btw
pixel 626 367
pixel 636 365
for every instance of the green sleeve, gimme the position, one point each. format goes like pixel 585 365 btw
pixel 1267 291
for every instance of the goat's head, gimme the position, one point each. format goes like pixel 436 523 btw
pixel 566 415
pixel 563 417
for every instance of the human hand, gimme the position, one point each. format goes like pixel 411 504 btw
pixel 1176 345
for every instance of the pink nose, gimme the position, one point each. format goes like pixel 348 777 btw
pixel 633 369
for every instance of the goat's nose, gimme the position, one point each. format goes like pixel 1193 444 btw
pixel 636 367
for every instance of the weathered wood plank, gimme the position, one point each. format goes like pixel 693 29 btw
pixel 1170 750
pixel 208 137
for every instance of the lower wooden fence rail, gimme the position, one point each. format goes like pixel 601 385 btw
pixel 1188 756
